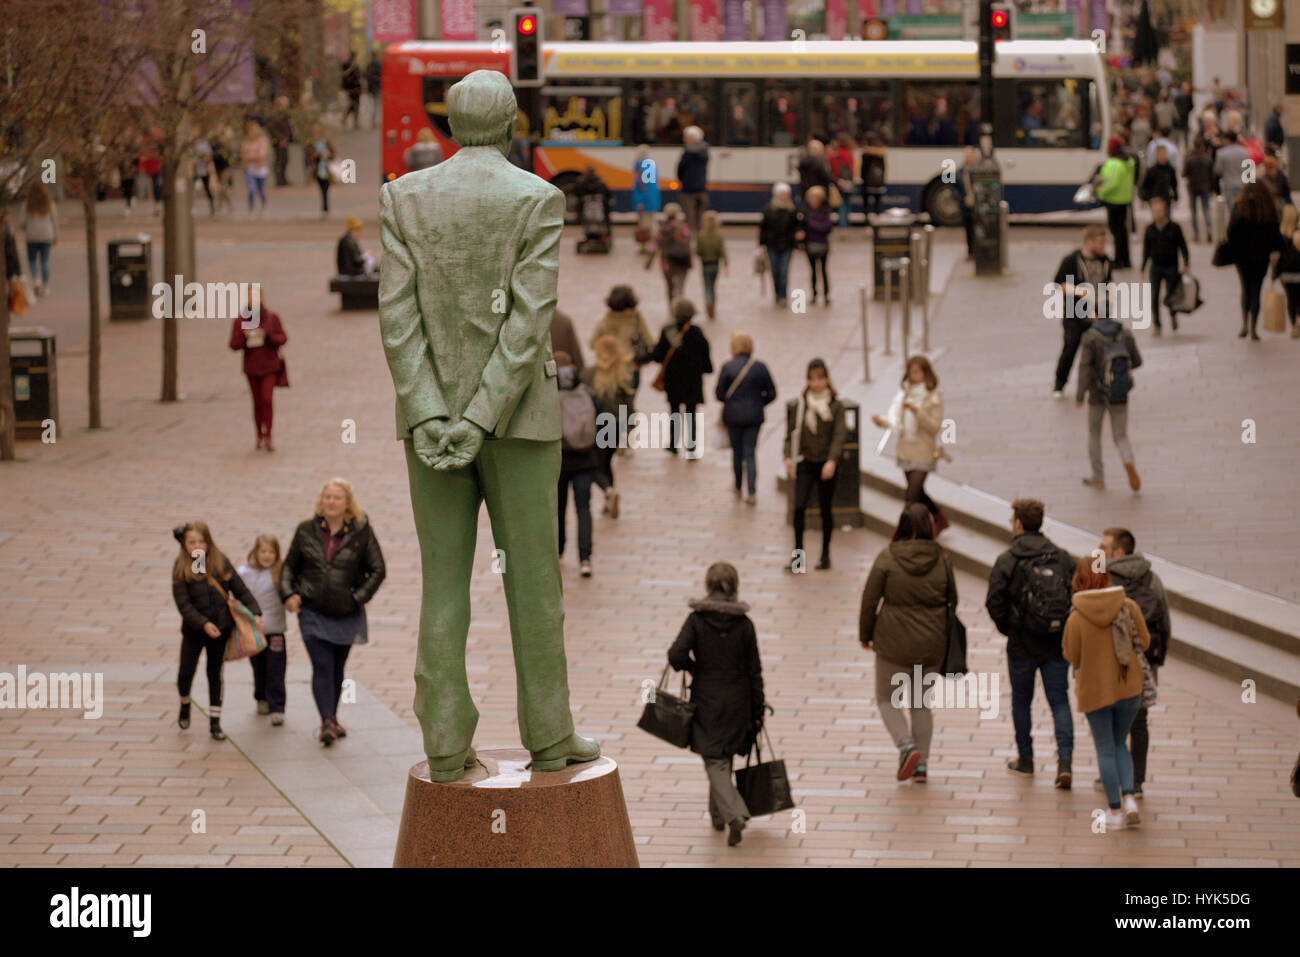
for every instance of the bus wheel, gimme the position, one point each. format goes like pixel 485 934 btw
pixel 566 182
pixel 942 205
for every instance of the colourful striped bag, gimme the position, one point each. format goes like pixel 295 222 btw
pixel 247 638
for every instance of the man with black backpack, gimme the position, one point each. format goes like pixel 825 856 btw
pixel 579 458
pixel 1108 355
pixel 1029 601
pixel 1129 569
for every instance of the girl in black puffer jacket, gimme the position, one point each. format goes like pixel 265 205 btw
pixel 199 578
pixel 333 567
pixel 719 647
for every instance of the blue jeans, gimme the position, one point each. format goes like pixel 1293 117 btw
pixel 256 184
pixel 779 259
pixel 845 208
pixel 1203 200
pixel 1110 726
pixel 581 482
pixel 710 271
pixel 744 440
pixel 327 663
pixel 37 251
pixel 1056 676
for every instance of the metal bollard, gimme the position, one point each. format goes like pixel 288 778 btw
pixel 1004 222
pixel 866 341
pixel 887 266
pixel 905 284
pixel 925 302
pixel 1219 219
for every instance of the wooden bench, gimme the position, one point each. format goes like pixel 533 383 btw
pixel 357 292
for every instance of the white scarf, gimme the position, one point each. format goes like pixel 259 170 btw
pixel 904 420
pixel 819 407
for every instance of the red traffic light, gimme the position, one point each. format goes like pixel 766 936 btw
pixel 1000 19
pixel 527 25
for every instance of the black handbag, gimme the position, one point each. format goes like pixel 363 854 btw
pixel 764 786
pixel 954 658
pixel 668 716
pixel 1224 255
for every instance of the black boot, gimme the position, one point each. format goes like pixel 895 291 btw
pixel 1254 321
pixel 1245 328
pixel 184 719
pixel 214 725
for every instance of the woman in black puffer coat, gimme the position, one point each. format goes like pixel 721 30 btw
pixel 199 578
pixel 333 567
pixel 719 647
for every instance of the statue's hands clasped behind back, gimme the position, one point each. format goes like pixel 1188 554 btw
pixel 445 447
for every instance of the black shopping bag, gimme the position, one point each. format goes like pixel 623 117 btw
pixel 764 786
pixel 668 716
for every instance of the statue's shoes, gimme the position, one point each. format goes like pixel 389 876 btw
pixel 446 770
pixel 574 750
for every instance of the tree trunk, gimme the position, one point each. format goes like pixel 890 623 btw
pixel 8 418
pixel 171 267
pixel 92 270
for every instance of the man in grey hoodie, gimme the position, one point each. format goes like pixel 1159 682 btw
pixel 1131 570
pixel 1106 378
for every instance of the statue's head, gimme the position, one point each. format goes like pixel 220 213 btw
pixel 482 109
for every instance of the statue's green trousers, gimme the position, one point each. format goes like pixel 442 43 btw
pixel 517 479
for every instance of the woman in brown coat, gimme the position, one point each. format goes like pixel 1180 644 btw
pixel 625 323
pixel 904 620
pixel 1098 640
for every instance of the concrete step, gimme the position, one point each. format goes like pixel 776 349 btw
pixel 1220 626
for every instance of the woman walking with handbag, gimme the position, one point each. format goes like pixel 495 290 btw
pixel 904 620
pixel 333 568
pixel 262 364
pixel 815 225
pixel 719 647
pixel 815 433
pixel 684 352
pixel 203 581
pixel 744 388
pixel 1254 240
pixel 1104 638
pixel 624 322
pixel 917 416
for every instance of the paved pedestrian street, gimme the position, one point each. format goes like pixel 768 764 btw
pixel 86 553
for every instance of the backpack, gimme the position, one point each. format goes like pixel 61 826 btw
pixel 1116 379
pixel 577 419
pixel 1044 600
pixel 1143 593
pixel 676 250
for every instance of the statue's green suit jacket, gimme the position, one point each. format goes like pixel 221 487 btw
pixel 465 301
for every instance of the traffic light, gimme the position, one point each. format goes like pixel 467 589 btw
pixel 1002 22
pixel 526 49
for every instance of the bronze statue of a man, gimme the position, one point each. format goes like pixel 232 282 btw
pixel 466 295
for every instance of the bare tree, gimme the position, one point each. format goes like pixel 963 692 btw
pixel 34 82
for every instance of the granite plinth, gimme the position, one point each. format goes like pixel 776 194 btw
pixel 500 814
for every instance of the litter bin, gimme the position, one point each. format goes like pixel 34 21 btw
pixel 130 265
pixel 891 237
pixel 31 370
pixel 846 506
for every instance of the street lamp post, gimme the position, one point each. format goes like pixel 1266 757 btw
pixel 986 178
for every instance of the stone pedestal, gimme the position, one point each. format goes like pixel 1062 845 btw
pixel 502 815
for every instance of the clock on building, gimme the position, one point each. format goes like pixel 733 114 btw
pixel 1264 15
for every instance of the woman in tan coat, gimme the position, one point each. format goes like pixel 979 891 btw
pixel 1099 640
pixel 625 323
pixel 917 416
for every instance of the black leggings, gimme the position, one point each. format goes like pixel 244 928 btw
pixel 806 475
pixel 916 490
pixel 815 259
pixel 327 661
pixel 1251 275
pixel 191 646
pixel 324 183
pixel 1292 301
